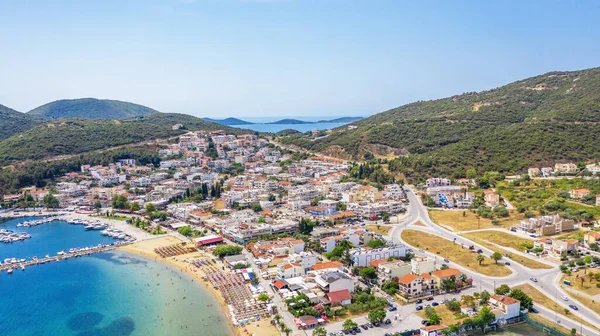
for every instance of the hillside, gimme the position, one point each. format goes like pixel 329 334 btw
pixel 534 121
pixel 229 121
pixel 341 120
pixel 90 108
pixel 13 122
pixel 73 136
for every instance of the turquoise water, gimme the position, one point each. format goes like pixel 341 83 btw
pixel 49 238
pixel 109 293
pixel 273 128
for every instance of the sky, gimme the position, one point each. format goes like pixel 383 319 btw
pixel 263 58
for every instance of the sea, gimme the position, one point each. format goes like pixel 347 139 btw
pixel 109 293
pixel 261 125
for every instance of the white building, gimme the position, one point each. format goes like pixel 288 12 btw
pixel 362 257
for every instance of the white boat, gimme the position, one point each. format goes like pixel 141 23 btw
pixel 10 270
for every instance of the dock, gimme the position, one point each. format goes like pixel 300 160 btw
pixel 33 262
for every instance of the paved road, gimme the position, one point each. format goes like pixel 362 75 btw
pixel 547 279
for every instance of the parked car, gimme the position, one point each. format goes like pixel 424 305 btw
pixel 419 307
pixel 564 298
pixel 430 298
pixel 419 300
pixel 446 260
pixel 425 323
pixel 388 321
pixel 574 307
pixel 393 308
pixel 364 326
pixel 534 310
pixel 507 263
pixel 435 304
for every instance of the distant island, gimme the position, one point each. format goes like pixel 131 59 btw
pixel 236 121
pixel 229 121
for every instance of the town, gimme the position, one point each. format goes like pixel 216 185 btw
pixel 323 246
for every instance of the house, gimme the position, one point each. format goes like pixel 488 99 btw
pixel 333 281
pixel 392 269
pixel 362 256
pixel 437 182
pixel 579 193
pixel 592 237
pixel 410 285
pixel 491 198
pixel 341 297
pixel 421 265
pixel 564 246
pixel 330 265
pixel 441 275
pixel 433 330
pixel 546 171
pixel 290 270
pixel 533 172
pixel 509 307
pixel 565 168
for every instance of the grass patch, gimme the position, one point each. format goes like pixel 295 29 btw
pixel 446 315
pixel 467 220
pixel 115 217
pixel 588 287
pixel 506 239
pixel 548 323
pixel 382 230
pixel 454 252
pixel 541 299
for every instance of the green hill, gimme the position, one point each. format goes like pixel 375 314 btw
pixel 90 108
pixel 73 136
pixel 229 121
pixel 13 122
pixel 535 121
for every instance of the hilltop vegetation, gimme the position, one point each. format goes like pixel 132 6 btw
pixel 229 121
pixel 73 136
pixel 540 120
pixel 90 108
pixel 13 122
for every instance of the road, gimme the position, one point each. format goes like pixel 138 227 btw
pixel 547 278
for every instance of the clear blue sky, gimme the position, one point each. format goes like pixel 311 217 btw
pixel 241 58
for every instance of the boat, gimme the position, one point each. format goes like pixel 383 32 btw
pixel 10 270
pixel 22 268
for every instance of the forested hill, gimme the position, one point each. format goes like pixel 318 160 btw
pixel 73 136
pixel 13 122
pixel 535 121
pixel 90 108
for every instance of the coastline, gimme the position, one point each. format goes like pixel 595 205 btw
pixel 146 248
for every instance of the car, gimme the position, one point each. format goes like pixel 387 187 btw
pixel 533 279
pixel 419 301
pixel 429 298
pixel 388 321
pixel 425 322
pixel 564 298
pixel 364 326
pixel 443 301
pixel 357 330
pixel 507 263
pixel 376 324
pixel 574 307
pixel 533 236
pixel 346 331
pixel 534 310
pixel 370 325
pixel 444 265
pixel 435 304
pixel 446 260
pixel 419 307
pixel 353 332
pixel 480 251
pixel 427 305
pixel 393 308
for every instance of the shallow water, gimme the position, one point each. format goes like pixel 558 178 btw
pixel 109 293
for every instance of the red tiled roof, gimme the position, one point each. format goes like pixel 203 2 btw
pixel 339 296
pixel 446 273
pixel 325 265
pixel 407 279
pixel 278 284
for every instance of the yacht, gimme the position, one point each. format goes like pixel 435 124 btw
pixel 10 270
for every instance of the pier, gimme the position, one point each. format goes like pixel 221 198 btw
pixel 79 253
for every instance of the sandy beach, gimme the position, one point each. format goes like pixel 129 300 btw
pixel 146 248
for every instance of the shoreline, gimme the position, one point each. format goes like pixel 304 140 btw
pixel 145 249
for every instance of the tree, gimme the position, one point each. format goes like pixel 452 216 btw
pixel 386 217
pixel 287 331
pixel 526 301
pixel 347 258
pixel 484 298
pixel 349 324
pixel 120 202
pixel 368 273
pixel 453 305
pixel 502 289
pixel 135 206
pixel 97 206
pixel 432 316
pixel 484 317
pixel 480 258
pixel 227 250
pixel 51 202
pixel 150 208
pixel 377 315
pixel 449 285
pixel 496 256
pixel 186 230
pixel 256 207
pixel 376 243
pixel 320 331
pixel 264 297
pixel 468 300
